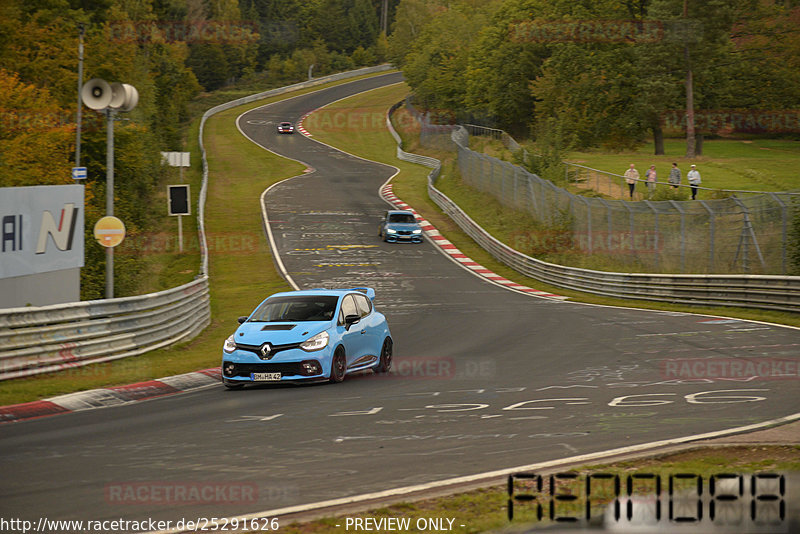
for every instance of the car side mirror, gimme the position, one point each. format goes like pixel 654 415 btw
pixel 242 319
pixel 350 320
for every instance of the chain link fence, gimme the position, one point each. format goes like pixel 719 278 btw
pixel 747 232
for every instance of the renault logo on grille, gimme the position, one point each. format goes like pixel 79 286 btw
pixel 265 349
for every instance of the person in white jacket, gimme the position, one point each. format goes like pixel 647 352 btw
pixel 694 180
pixel 631 176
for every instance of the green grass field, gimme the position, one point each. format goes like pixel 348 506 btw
pixel 757 165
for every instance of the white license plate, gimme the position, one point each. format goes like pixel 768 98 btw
pixel 265 377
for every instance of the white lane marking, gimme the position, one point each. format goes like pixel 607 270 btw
pixel 371 411
pixel 243 418
pixel 308 170
pixel 496 474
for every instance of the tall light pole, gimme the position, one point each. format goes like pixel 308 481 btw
pixel 109 198
pixel 81 32
pixel 100 96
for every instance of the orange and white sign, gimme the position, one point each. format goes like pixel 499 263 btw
pixel 109 231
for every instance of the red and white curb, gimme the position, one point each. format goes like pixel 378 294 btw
pixel 112 396
pixel 451 250
pixel 300 128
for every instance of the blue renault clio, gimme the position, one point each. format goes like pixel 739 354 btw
pixel 309 335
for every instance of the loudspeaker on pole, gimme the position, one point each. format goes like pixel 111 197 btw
pixel 131 97
pixel 124 96
pixel 96 94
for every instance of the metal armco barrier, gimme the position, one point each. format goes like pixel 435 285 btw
pixel 45 339
pixel 736 290
pixel 53 338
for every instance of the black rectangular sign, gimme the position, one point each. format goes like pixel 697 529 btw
pixel 179 200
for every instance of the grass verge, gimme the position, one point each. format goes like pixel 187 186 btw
pixel 241 267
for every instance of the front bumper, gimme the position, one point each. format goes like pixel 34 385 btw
pixel 289 371
pixel 404 238
pixel 292 364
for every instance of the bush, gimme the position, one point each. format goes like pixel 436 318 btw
pixel 665 192
pixel 718 194
pixel 793 245
pixel 363 57
pixel 552 145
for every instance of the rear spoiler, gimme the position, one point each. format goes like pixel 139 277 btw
pixel 368 291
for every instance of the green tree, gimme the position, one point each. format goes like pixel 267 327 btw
pixel 412 16
pixel 362 18
pixel 209 64
pixel 35 135
pixel 436 65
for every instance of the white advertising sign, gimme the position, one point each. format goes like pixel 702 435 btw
pixel 176 159
pixel 41 229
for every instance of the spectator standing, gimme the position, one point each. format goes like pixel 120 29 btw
pixel 651 179
pixel 694 180
pixel 631 177
pixel 674 176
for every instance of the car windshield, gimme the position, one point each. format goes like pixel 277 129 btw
pixel 404 218
pixel 284 124
pixel 296 309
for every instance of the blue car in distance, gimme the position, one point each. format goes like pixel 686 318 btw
pixel 309 335
pixel 400 226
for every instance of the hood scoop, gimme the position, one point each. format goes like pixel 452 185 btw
pixel 278 327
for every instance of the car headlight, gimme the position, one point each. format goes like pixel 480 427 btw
pixel 318 342
pixel 229 345
pixel 390 231
pixel 417 231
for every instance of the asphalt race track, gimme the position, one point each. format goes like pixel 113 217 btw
pixel 484 378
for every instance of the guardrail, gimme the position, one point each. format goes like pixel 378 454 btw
pixel 45 339
pixel 53 338
pixel 746 291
